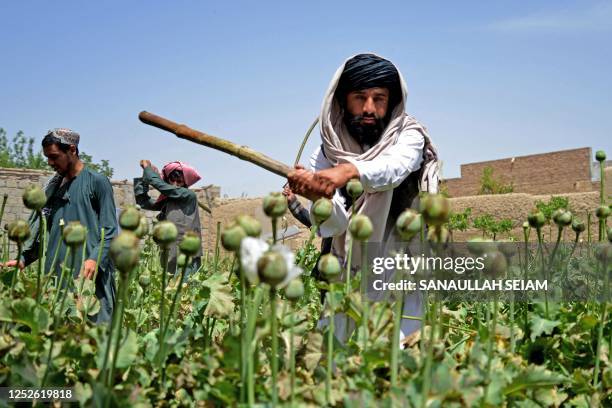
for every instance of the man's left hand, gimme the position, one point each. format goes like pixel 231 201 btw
pixel 89 268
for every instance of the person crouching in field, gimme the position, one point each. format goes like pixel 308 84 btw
pixel 176 202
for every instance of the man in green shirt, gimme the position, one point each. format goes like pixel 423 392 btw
pixel 77 193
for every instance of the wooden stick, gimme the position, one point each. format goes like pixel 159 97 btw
pixel 242 152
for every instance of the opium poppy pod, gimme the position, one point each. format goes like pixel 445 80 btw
pixel 329 266
pixel 18 231
pixel 578 226
pixel 438 234
pixel 124 252
pixel 232 236
pixel 360 227
pixel 409 224
pixel 602 212
pixel 600 155
pixel 435 209
pixel 275 205
pixel 74 234
pixel 190 244
pixel 610 234
pixel 250 225
pixel 34 198
pixel 354 188
pixel 321 210
pixel 272 268
pixel 562 217
pixel 129 218
pixel 295 289
pixel 144 280
pixel 536 219
pixel 164 233
pixel 143 228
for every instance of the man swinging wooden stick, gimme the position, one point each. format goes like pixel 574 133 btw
pixel 365 134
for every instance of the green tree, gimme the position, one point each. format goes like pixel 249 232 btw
pixel 491 185
pixel 19 153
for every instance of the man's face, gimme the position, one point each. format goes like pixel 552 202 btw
pixel 59 160
pixel 370 104
pixel 177 179
pixel 365 114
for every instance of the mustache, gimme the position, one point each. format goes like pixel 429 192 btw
pixel 365 133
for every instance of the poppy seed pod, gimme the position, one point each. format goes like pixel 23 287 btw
pixel 360 227
pixel 409 224
pixel 232 236
pixel 495 264
pixel 602 212
pixel 143 228
pixel 536 219
pixel 525 225
pixel 578 226
pixel 74 234
pixel 295 289
pixel 181 260
pixel 129 218
pixel 272 268
pixel 354 188
pixel 250 225
pixel 600 155
pixel 34 198
pixel 190 244
pixel 124 252
pixel 275 205
pixel 164 233
pixel 329 266
pixel 435 209
pixel 18 231
pixel 438 234
pixel 562 217
pixel 144 280
pixel 479 246
pixel 609 234
pixel 321 210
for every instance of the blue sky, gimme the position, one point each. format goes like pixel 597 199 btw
pixel 488 79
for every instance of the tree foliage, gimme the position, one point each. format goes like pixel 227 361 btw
pixel 19 152
pixel 489 184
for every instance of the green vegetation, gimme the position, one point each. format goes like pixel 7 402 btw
pixel 25 153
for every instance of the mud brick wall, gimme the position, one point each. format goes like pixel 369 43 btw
pixel 13 182
pixel 549 173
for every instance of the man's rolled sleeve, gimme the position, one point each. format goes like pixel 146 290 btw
pixel 390 168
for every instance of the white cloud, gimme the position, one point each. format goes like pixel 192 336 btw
pixel 596 17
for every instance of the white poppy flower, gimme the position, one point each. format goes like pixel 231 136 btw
pixel 251 249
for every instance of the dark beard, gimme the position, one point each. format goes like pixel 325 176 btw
pixel 364 134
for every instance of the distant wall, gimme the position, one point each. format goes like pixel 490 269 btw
pixel 13 182
pixel 548 173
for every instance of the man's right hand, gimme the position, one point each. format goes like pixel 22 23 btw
pixel 304 183
pixel 12 264
pixel 145 163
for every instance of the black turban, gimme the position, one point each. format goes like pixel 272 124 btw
pixel 365 71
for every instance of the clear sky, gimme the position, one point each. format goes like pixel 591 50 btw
pixel 488 79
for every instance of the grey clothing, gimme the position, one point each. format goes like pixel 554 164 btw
pixel 178 205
